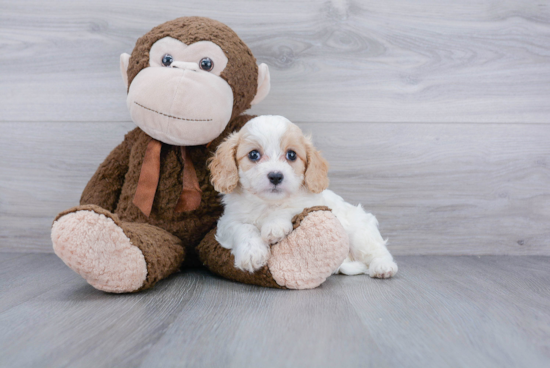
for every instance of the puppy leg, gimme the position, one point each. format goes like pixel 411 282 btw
pixel 366 243
pixel 351 268
pixel 275 229
pixel 246 244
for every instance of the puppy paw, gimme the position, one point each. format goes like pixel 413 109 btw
pixel 251 255
pixel 275 231
pixel 382 268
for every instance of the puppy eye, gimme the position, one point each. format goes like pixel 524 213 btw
pixel 291 155
pixel 167 60
pixel 206 64
pixel 254 155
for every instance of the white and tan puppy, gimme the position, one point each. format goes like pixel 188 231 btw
pixel 269 172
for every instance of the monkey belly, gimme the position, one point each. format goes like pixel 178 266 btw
pixel 191 226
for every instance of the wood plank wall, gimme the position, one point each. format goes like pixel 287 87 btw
pixel 434 114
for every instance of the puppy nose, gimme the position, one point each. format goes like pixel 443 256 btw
pixel 275 177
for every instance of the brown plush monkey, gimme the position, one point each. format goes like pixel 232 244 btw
pixel 150 204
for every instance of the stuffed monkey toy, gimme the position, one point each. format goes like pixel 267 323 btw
pixel 150 209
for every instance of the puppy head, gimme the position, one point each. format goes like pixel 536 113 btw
pixel 270 158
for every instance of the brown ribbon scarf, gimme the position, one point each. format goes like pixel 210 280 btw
pixel 190 198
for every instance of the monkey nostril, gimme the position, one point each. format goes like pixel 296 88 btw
pixel 275 177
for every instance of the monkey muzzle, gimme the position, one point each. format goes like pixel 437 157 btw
pixel 180 106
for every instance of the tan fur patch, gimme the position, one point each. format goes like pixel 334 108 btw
pixel 316 178
pixel 294 140
pixel 245 146
pixel 223 166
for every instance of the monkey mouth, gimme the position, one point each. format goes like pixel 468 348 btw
pixel 169 116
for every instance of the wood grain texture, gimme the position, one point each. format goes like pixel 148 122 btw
pixel 25 276
pixel 346 61
pixel 44 168
pixel 491 311
pixel 436 189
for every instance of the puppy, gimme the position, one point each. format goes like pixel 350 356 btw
pixel 269 172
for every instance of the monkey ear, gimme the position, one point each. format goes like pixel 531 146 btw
pixel 223 166
pixel 264 84
pixel 124 61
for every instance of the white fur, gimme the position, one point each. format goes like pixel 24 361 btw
pixel 258 214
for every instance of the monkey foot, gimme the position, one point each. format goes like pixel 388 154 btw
pixel 311 253
pixel 92 245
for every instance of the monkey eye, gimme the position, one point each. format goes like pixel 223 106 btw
pixel 167 60
pixel 206 64
pixel 254 155
pixel 291 155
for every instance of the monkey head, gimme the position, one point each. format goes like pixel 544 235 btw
pixel 187 78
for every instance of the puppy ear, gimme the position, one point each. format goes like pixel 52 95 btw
pixel 223 166
pixel 316 176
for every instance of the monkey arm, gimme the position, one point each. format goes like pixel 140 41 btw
pixel 105 186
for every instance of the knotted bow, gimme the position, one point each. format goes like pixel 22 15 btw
pixel 190 197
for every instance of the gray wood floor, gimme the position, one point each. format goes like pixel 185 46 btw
pixel 440 311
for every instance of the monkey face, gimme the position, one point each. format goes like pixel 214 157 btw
pixel 180 98
pixel 188 77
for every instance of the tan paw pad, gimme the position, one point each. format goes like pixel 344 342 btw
pixel 311 253
pixel 97 249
